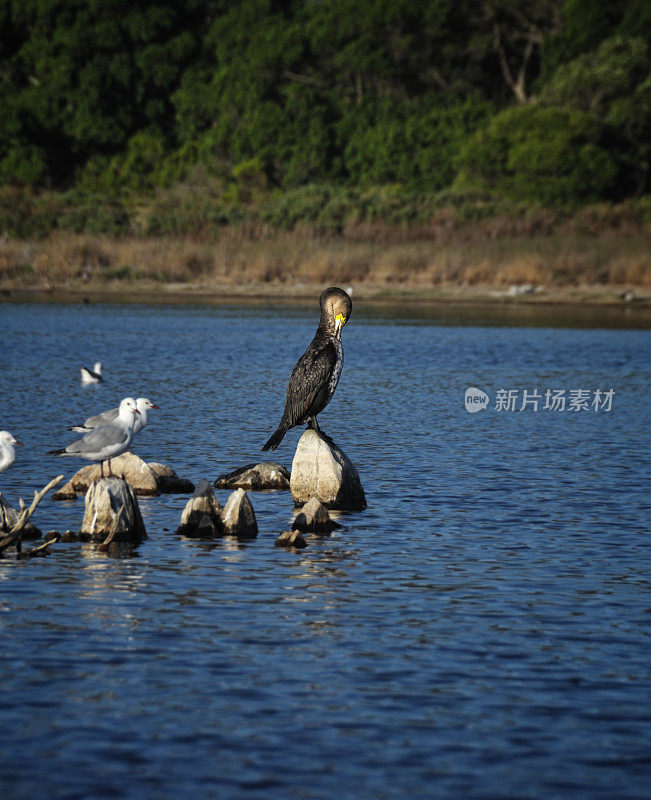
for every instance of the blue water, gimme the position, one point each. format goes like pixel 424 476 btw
pixel 482 630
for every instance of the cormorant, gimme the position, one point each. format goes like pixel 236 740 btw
pixel 315 376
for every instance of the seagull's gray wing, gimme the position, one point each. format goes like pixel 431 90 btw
pixel 102 419
pixel 99 438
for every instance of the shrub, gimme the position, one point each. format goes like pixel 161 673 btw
pixel 549 155
pixel 24 165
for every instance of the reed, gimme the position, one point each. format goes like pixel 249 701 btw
pixel 564 258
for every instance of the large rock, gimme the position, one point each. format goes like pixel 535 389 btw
pixel 168 482
pixel 324 471
pixel 255 477
pixel 112 510
pixel 9 517
pixel 128 466
pixel 238 517
pixel 202 516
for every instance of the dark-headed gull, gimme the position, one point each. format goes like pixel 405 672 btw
pixel 7 452
pixel 93 375
pixel 142 404
pixel 105 441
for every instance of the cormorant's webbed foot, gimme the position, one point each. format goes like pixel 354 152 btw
pixel 314 425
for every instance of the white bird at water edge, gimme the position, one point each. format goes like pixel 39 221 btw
pixel 7 452
pixel 143 405
pixel 105 441
pixel 93 375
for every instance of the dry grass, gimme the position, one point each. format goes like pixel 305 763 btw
pixel 496 255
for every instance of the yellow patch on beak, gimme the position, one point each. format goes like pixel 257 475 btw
pixel 341 319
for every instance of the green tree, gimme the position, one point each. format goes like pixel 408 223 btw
pixel 613 84
pixel 89 73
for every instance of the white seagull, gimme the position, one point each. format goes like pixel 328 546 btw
pixel 105 441
pixel 7 452
pixel 142 404
pixel 93 375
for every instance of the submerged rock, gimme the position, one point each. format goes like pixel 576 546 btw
pixel 202 516
pixel 291 539
pixel 238 516
pixel 112 510
pixel 314 517
pixel 128 466
pixel 255 477
pixel 9 517
pixel 66 492
pixel 324 471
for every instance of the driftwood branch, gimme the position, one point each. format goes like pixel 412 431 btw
pixel 34 551
pixel 15 534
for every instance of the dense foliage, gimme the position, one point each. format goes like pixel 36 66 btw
pixel 548 101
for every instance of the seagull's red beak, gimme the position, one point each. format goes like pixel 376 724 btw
pixel 155 406
pixel 20 444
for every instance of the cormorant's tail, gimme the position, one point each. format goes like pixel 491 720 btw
pixel 276 439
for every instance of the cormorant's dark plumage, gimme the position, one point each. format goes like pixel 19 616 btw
pixel 315 376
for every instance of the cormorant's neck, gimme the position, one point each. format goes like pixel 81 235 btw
pixel 326 327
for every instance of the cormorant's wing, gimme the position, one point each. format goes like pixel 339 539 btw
pixel 308 384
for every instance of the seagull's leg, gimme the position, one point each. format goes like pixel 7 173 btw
pixel 101 468
pixel 111 475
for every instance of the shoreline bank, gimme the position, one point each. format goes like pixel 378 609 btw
pixel 624 297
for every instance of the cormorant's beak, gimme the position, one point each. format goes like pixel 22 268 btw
pixel 340 321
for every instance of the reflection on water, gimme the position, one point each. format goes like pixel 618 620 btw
pixel 480 631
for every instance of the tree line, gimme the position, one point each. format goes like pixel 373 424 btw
pixel 548 101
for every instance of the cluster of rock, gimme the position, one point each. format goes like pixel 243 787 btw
pixel 322 478
pixel 148 480
pixel 313 518
pixel 204 517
